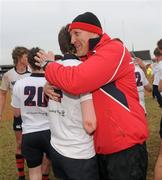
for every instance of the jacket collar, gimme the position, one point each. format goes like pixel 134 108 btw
pixel 97 42
pixel 94 44
pixel 69 56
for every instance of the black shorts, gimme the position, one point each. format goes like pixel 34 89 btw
pixel 77 169
pixel 129 164
pixel 34 145
pixel 17 124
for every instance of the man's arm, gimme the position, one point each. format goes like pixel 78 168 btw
pixel 16 99
pixel 88 115
pixel 97 70
pixel 146 83
pixel 86 77
pixel 3 95
pixel 160 86
pixel 160 77
pixel 17 112
pixel 148 87
pixel 49 91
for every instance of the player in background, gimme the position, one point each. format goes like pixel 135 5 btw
pixel 29 103
pixel 141 81
pixel 19 71
pixel 156 77
pixel 158 166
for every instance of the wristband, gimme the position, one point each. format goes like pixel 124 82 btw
pixel 44 64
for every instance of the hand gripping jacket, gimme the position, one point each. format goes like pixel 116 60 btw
pixel 108 73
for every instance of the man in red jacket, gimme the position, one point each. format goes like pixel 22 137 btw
pixel 107 72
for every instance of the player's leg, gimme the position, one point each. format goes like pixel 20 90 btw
pixel 35 173
pixel 33 154
pixel 46 165
pixel 158 165
pixel 158 95
pixel 18 155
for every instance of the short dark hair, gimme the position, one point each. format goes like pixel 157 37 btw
pixel 32 53
pixel 159 44
pixel 18 52
pixel 64 40
pixel 157 52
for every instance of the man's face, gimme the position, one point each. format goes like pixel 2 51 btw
pixel 24 59
pixel 160 50
pixel 80 38
pixel 159 58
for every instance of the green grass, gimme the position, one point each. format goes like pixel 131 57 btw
pixel 7 147
pixel 153 142
pixel 7 141
pixel 7 151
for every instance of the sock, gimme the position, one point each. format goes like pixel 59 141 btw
pixel 20 165
pixel 45 177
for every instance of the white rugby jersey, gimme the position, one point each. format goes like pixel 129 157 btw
pixel 68 137
pixel 155 69
pixel 160 73
pixel 160 70
pixel 28 95
pixel 10 77
pixel 141 81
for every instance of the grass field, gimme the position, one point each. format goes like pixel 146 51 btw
pixel 7 141
pixel 7 147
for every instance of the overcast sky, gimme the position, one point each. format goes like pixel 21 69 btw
pixel 34 23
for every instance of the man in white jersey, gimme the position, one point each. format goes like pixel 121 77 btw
pixel 71 121
pixel 141 81
pixel 30 103
pixel 159 58
pixel 20 70
pixel 154 77
pixel 157 77
pixel 158 169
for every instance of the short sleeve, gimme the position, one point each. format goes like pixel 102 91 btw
pixel 15 102
pixel 160 71
pixel 5 83
pixel 85 97
pixel 145 81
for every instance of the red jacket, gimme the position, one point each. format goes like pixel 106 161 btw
pixel 109 74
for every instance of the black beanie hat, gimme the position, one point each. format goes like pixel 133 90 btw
pixel 88 22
